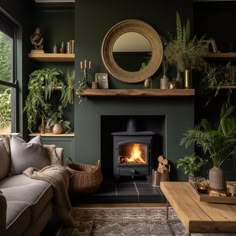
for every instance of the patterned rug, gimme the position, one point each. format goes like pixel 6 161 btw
pixel 125 222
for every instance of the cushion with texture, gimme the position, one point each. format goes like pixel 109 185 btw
pixel 24 155
pixel 4 161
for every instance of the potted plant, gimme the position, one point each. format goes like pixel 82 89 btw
pixel 41 84
pixel 56 124
pixel 218 142
pixel 184 52
pixel 191 165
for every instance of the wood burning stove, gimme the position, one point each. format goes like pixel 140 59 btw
pixel 132 153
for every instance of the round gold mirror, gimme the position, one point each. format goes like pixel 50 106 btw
pixel 132 51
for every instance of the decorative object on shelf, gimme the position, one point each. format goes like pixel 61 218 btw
pixel 148 83
pixel 85 66
pixel 57 129
pixel 102 80
pixel 132 31
pixel 94 85
pixel 185 52
pixel 62 48
pixel 187 79
pixel 172 85
pixel 191 165
pixel 37 40
pixel 217 142
pixel 55 48
pixel 70 46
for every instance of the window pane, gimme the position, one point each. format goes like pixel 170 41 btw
pixel 6 59
pixel 5 109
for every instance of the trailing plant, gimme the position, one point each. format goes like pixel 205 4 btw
pixel 185 52
pixel 67 96
pixel 191 164
pixel 218 141
pixel 81 86
pixel 41 84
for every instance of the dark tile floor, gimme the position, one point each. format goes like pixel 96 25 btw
pixel 126 190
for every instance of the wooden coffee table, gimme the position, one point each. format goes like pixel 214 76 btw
pixel 198 216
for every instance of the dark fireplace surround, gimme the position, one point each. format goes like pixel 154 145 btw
pixel 164 119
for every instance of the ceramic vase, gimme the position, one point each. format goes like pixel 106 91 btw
pixel 57 129
pixel 216 178
pixel 164 82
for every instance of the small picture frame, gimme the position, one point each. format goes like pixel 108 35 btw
pixel 102 80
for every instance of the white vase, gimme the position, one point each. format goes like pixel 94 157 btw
pixel 164 81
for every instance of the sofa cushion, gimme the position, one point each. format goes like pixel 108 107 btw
pixel 24 155
pixel 36 195
pixel 18 217
pixel 4 161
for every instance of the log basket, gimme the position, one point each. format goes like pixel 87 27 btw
pixel 85 178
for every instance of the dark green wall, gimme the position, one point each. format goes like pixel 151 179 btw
pixel 92 21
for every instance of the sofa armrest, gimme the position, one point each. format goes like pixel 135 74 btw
pixel 3 213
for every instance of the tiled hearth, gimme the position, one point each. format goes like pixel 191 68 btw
pixel 127 190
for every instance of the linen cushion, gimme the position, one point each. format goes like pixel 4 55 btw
pixel 4 161
pixel 24 155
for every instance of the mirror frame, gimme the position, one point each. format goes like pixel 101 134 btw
pixel 138 26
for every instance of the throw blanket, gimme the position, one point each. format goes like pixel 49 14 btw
pixel 58 176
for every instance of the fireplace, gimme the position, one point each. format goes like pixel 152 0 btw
pixel 132 152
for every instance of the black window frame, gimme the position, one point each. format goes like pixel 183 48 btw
pixel 10 28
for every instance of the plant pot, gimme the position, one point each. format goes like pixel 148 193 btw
pixel 216 178
pixel 57 129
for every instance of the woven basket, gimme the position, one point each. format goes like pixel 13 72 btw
pixel 85 178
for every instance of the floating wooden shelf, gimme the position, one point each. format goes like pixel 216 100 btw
pixel 52 135
pixel 137 92
pixel 53 57
pixel 222 55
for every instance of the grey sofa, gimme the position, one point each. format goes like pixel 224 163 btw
pixel 25 203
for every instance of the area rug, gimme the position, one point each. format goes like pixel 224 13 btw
pixel 141 221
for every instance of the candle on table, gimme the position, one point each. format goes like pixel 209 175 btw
pixel 81 65
pixel 85 64
pixel 89 64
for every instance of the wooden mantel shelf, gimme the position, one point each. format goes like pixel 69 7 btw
pixel 53 57
pixel 137 92
pixel 221 55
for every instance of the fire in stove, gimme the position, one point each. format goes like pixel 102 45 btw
pixel 133 154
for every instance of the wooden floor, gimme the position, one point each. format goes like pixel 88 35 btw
pixel 121 205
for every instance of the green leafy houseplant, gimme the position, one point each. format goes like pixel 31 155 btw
pixel 184 52
pixel 191 164
pixel 41 85
pixel 217 141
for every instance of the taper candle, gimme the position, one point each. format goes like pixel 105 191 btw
pixel 81 65
pixel 85 64
pixel 89 64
